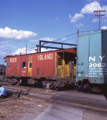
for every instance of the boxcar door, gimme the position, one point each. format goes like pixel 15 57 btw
pixel 82 57
pixel 30 66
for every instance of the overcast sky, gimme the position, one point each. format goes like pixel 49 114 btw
pixel 27 21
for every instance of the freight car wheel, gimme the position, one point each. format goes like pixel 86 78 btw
pixel 57 88
pixel 14 81
pixel 44 84
pixel 86 88
pixel 18 83
pixel 10 80
pixel 96 88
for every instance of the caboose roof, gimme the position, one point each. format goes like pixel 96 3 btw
pixel 71 50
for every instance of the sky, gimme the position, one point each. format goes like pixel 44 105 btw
pixel 25 22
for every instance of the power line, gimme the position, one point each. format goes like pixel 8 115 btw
pixel 65 36
pixel 71 35
pixel 30 49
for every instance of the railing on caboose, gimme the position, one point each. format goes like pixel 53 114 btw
pixel 62 69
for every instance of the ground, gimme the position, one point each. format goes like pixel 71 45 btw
pixel 24 107
pixel 14 108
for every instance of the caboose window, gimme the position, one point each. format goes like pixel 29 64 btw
pixel 23 64
pixel 17 64
pixel 30 65
pixel 8 64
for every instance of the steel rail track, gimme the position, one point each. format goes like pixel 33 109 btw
pixel 52 98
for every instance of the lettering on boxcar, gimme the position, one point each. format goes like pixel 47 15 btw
pixel 97 68
pixel 101 58
pixel 45 57
pixel 93 59
pixel 90 58
pixel 13 60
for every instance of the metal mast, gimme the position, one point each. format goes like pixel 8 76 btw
pixel 100 15
pixel 43 45
pixel 26 48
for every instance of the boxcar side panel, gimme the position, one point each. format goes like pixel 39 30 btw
pixel 82 57
pixel 95 58
pixel 91 57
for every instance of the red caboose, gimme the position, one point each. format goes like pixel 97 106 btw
pixel 57 68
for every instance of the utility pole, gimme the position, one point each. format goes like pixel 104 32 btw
pixel 100 15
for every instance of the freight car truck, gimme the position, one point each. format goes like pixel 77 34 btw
pixel 55 68
pixel 91 64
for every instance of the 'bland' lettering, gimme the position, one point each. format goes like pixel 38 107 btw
pixel 45 57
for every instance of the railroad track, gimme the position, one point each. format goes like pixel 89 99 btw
pixel 29 91
pixel 50 96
